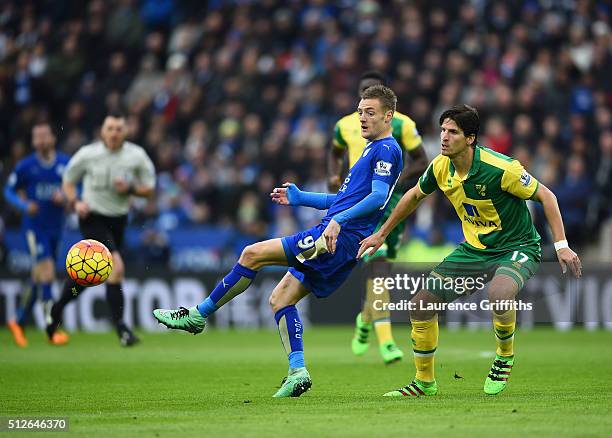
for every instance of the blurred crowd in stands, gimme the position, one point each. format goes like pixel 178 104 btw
pixel 230 98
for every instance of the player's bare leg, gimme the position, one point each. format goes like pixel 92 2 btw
pixel 424 344
pixel 502 291
pixel 283 299
pixel 252 258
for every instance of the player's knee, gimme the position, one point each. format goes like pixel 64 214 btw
pixel 416 314
pixel 275 302
pixel 116 276
pixel 277 299
pixel 46 276
pixel 118 271
pixel 420 309
pixel 44 272
pixel 502 291
pixel 249 257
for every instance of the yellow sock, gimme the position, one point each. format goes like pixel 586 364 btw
pixel 383 331
pixel 424 344
pixel 380 314
pixel 504 326
pixel 366 311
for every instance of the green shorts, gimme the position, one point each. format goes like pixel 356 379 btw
pixel 393 241
pixel 467 269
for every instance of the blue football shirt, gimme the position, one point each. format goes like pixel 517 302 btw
pixel 381 160
pixel 39 181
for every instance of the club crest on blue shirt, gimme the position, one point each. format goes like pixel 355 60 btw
pixel 383 168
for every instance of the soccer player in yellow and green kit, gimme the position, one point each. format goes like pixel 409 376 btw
pixel 488 191
pixel 347 138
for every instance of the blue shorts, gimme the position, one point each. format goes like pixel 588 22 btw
pixel 319 271
pixel 42 244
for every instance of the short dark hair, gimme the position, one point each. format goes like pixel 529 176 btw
pixel 117 113
pixel 385 94
pixel 373 74
pixel 466 117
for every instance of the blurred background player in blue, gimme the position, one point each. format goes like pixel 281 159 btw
pixel 34 188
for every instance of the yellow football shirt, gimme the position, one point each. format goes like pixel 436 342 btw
pixel 489 200
pixel 347 134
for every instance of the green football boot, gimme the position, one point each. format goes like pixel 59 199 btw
pixel 390 352
pixel 415 389
pixel 498 377
pixel 189 320
pixel 360 343
pixel 295 384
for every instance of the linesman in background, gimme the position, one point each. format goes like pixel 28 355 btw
pixel 111 170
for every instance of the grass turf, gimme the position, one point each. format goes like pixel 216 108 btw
pixel 222 382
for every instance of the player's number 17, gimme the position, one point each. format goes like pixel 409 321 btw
pixel 516 254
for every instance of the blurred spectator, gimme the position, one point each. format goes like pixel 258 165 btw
pixel 497 136
pixel 573 193
pixel 600 202
pixel 124 27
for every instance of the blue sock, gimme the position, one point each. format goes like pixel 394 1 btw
pixel 27 302
pixel 233 284
pixel 46 291
pixel 291 330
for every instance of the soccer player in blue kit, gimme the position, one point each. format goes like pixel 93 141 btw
pixel 34 188
pixel 321 258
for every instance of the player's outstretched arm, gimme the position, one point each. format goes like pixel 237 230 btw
pixel 404 208
pixel 566 256
pixel 289 194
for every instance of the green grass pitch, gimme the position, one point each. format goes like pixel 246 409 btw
pixel 221 382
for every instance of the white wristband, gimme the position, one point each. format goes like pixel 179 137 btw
pixel 561 244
